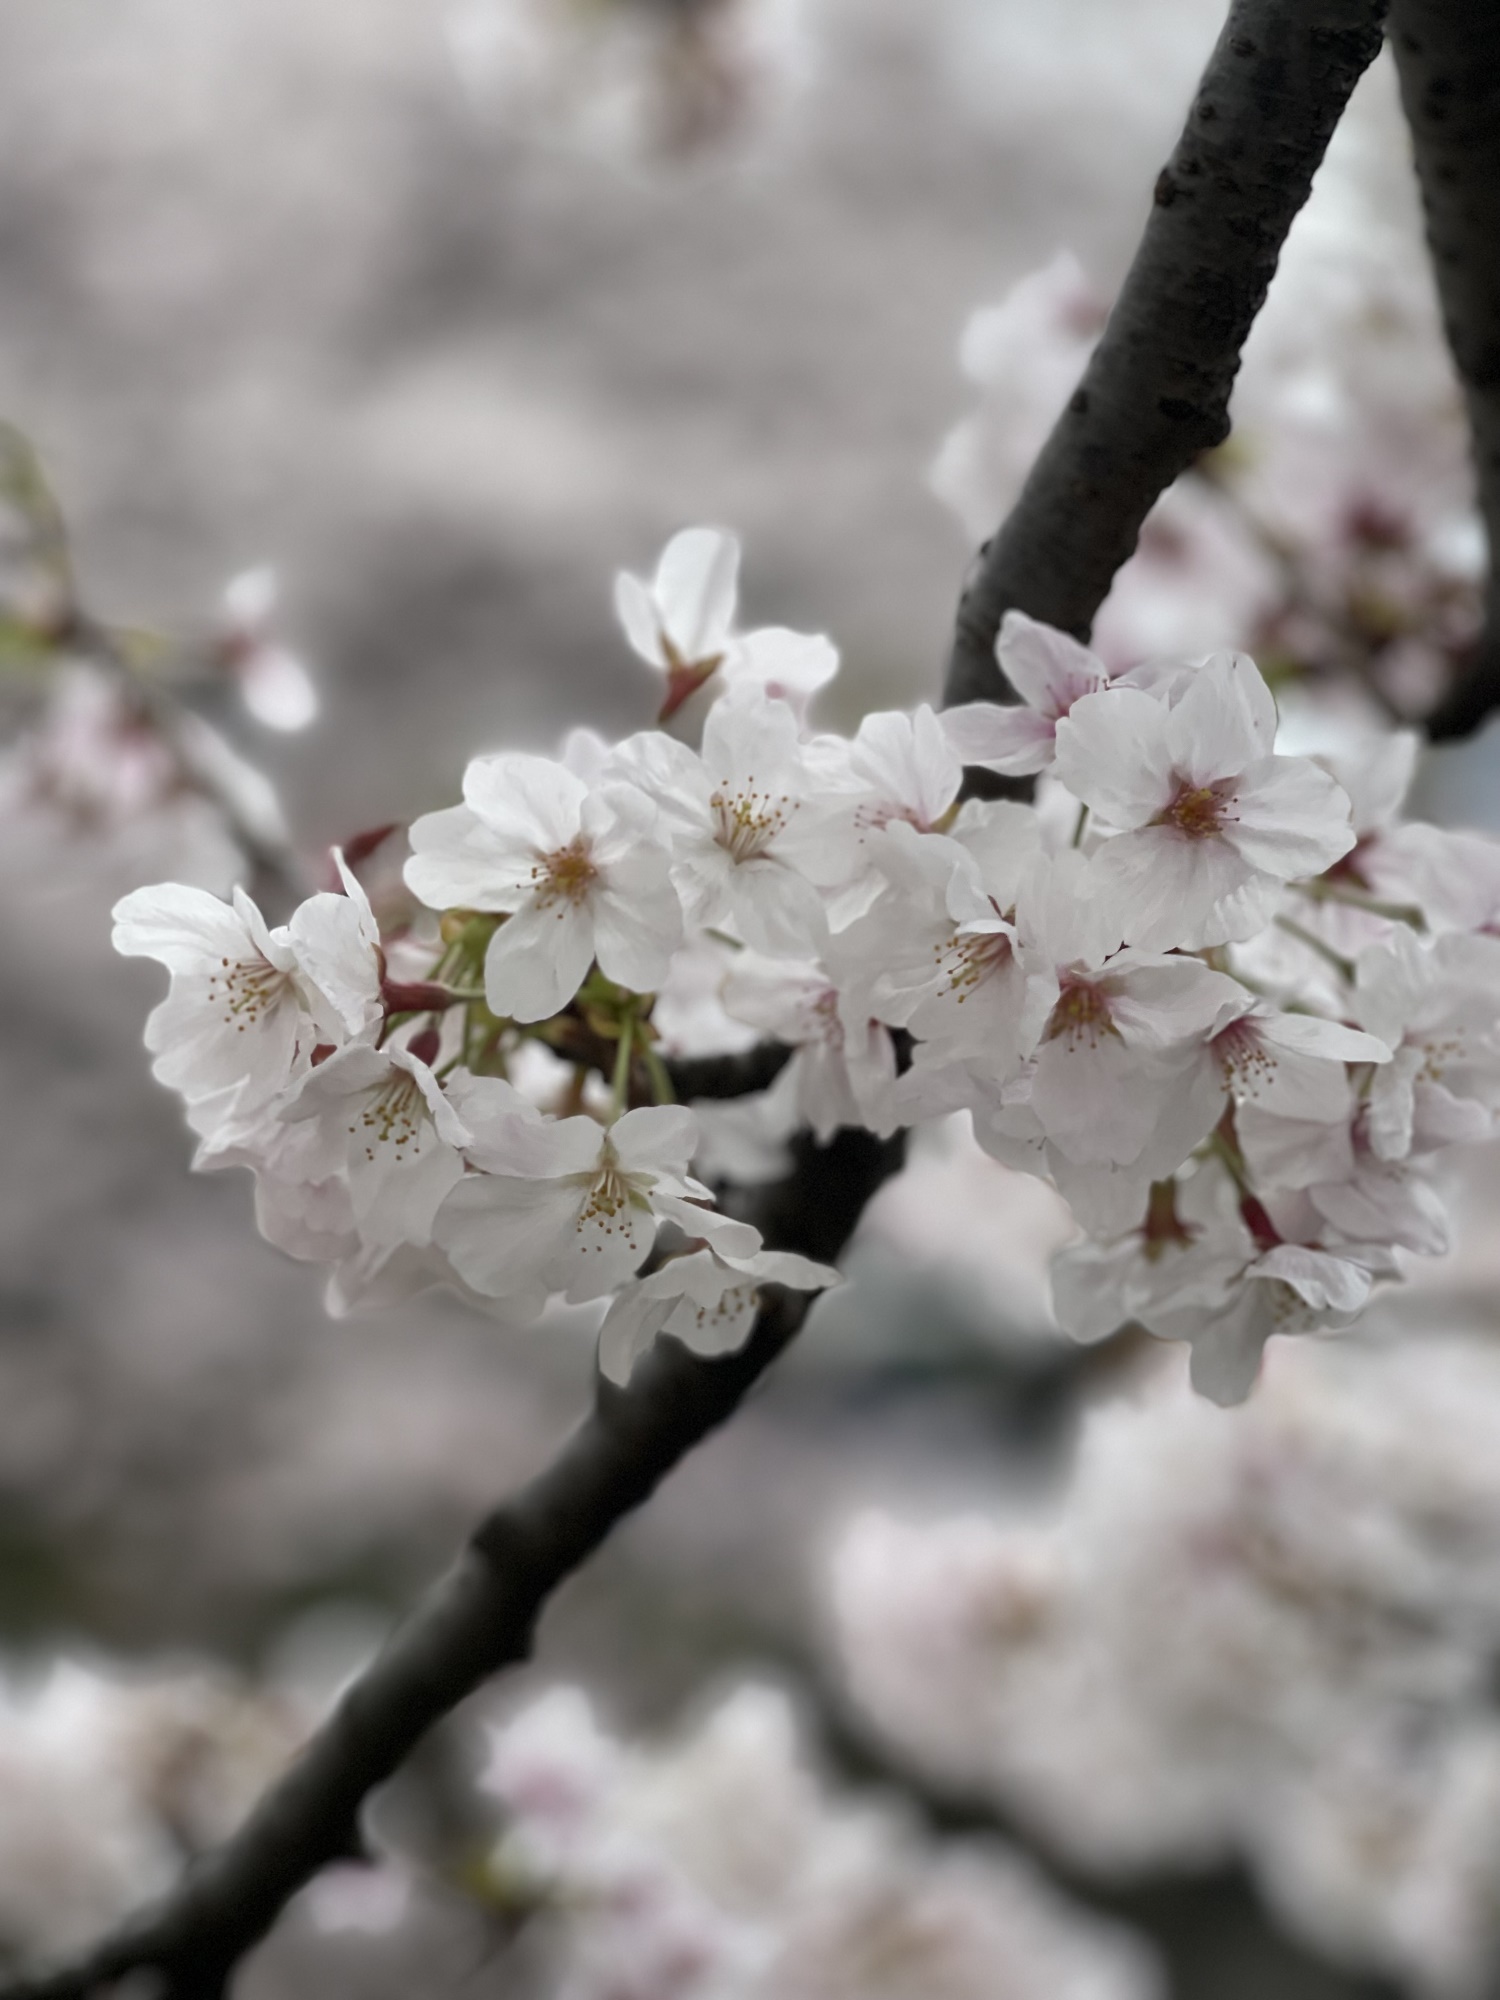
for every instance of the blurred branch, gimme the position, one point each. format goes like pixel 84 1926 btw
pixel 479 1618
pixel 728 1076
pixel 1156 390
pixel 1448 56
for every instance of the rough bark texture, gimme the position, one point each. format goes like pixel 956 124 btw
pixel 481 1616
pixel 1448 55
pixel 1156 391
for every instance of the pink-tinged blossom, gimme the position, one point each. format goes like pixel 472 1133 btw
pixel 741 823
pixel 1125 1034
pixel 682 623
pixel 1435 1004
pixel 579 874
pixel 567 1205
pixel 844 1066
pixel 708 1300
pixel 1049 672
pixel 1231 1308
pixel 1211 822
pixel 937 953
pixel 897 768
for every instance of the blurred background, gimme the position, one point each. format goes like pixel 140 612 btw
pixel 448 313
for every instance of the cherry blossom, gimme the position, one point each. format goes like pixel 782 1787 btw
pixel 1211 821
pixel 244 1007
pixel 707 1300
pixel 566 1205
pixel 577 873
pixel 740 821
pixel 274 684
pixel 682 624
pixel 1049 672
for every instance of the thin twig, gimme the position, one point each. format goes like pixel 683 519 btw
pixel 1448 55
pixel 1156 390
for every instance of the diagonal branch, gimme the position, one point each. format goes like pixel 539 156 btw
pixel 1448 55
pixel 1156 391
pixel 479 1618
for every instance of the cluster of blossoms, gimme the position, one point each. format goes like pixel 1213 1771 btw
pixel 1272 1638
pixel 1335 535
pixel 108 1784
pixel 1221 998
pixel 630 78
pixel 719 1868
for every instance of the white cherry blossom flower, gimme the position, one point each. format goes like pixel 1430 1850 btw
pixel 566 1205
pixel 845 1063
pixel 740 822
pixel 1125 1034
pixel 707 1300
pixel 247 1005
pixel 1212 822
pixel 579 874
pixel 1229 1309
pixel 384 1125
pixel 1049 672
pixel 897 768
pixel 1435 1005
pixel 682 624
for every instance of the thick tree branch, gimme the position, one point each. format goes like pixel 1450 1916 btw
pixel 1156 391
pixel 480 1617
pixel 1448 55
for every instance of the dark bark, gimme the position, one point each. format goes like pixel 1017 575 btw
pixel 480 1617
pixel 1448 55
pixel 1155 393
pixel 728 1076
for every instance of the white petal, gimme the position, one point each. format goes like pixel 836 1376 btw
pixel 1048 669
pixel 1113 754
pixel 1290 818
pixel 538 959
pixel 635 608
pixel 1013 741
pixel 1225 721
pixel 696 585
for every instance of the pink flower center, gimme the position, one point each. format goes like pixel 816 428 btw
pixel 1199 811
pixel 393 1116
pixel 1081 1015
pixel 966 961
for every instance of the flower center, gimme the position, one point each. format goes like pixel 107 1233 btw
pixel 565 876
pixel 1199 811
pixel 247 990
pixel 393 1116
pixel 970 957
pixel 746 822
pixel 1247 1064
pixel 1081 1015
pixel 611 1199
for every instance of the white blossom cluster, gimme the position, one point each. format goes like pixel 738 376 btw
pixel 108 1783
pixel 1222 998
pixel 719 1867
pixel 1335 533
pixel 630 78
pixel 1271 1636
